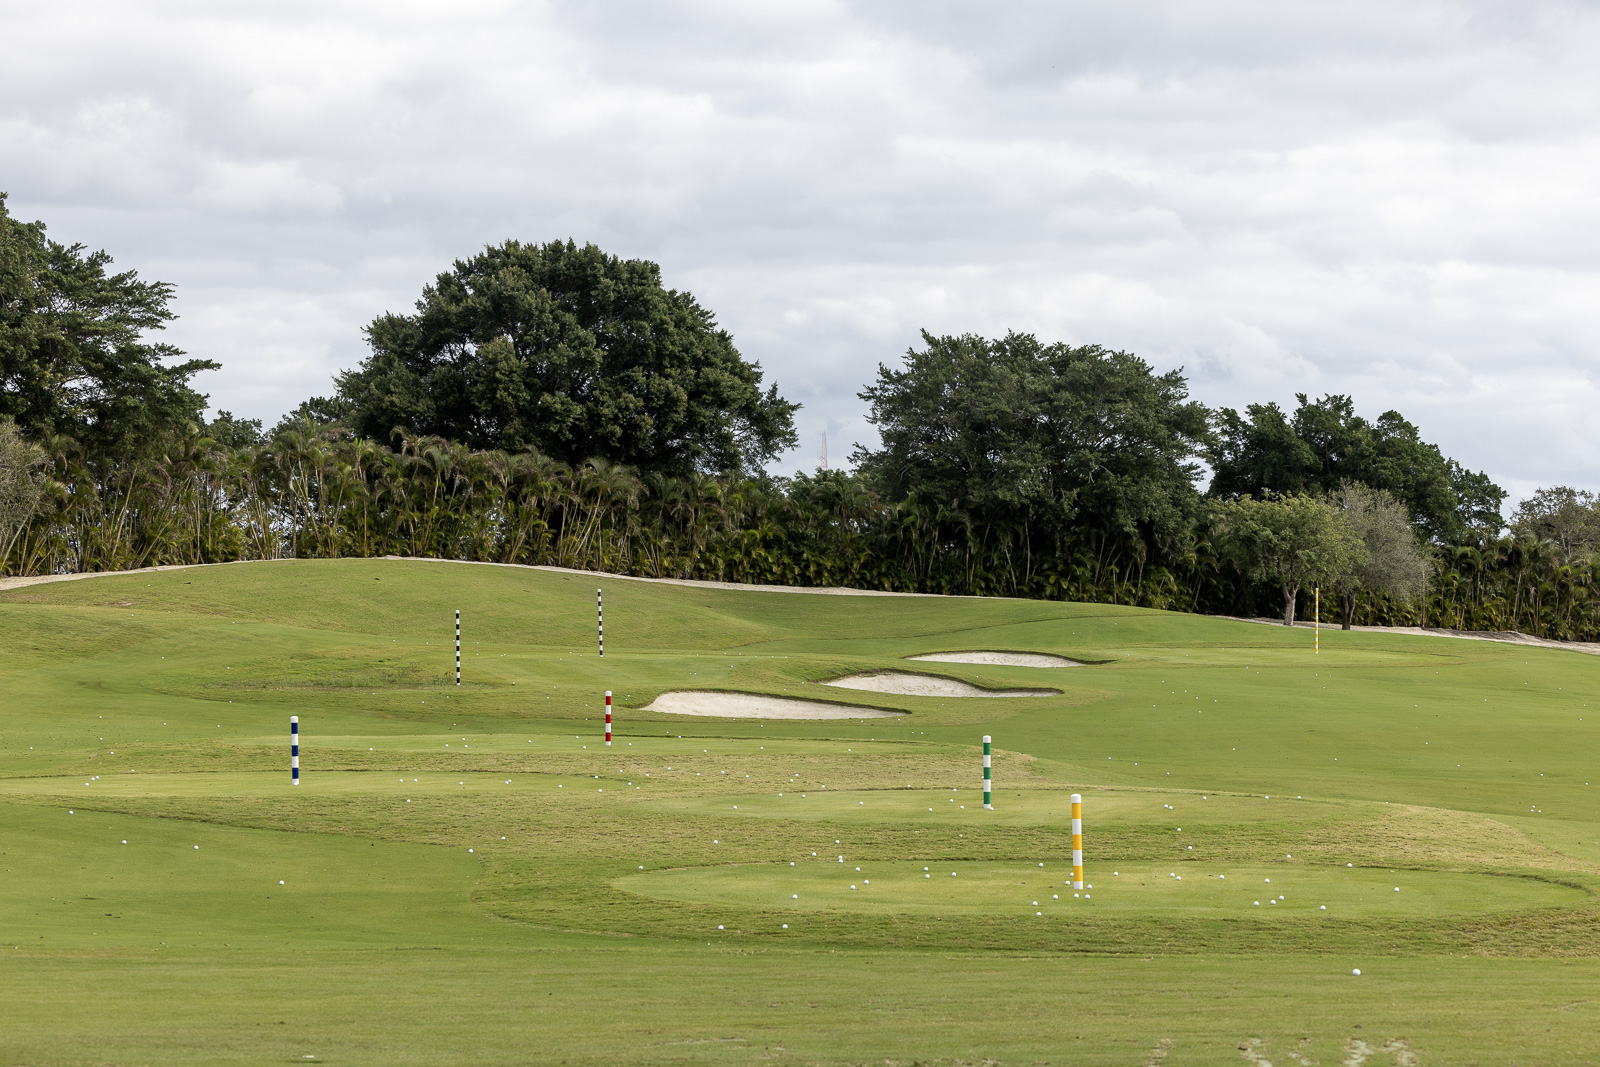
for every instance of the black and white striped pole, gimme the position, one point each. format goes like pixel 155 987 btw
pixel 458 646
pixel 294 749
pixel 600 619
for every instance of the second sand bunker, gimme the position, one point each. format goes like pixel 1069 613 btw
pixel 928 685
pixel 1004 659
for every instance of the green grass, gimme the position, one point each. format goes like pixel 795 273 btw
pixel 469 876
pixel 1023 889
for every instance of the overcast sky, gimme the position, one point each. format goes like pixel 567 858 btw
pixel 1395 201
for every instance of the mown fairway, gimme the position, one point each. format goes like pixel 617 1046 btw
pixel 468 875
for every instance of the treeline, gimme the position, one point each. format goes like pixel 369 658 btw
pixel 318 492
pixel 553 405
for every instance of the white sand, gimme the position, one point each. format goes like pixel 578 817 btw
pixel 1007 659
pixel 927 685
pixel 759 706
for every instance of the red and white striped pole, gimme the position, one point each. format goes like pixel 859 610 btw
pixel 608 716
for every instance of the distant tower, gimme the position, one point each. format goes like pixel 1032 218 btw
pixel 824 459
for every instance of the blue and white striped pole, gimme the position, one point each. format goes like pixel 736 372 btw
pixel 294 748
pixel 458 646
pixel 600 619
pixel 986 782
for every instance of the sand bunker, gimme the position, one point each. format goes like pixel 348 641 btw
pixel 927 685
pixel 1005 659
pixel 759 706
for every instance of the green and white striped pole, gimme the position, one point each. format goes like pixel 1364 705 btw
pixel 986 781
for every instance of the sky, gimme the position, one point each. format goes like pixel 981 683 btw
pixel 1394 201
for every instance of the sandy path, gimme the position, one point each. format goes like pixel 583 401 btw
pixel 1510 637
pixel 1007 659
pixel 759 706
pixel 926 685
pixel 45 579
pixel 825 590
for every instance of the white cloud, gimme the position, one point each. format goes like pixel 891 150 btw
pixel 1387 200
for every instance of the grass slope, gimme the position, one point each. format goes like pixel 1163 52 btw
pixel 467 875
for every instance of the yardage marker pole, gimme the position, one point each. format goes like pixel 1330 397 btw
pixel 1316 633
pixel 294 749
pixel 458 646
pixel 608 717
pixel 986 780
pixel 600 619
pixel 1077 841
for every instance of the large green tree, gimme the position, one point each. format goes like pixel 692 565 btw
pixel 1325 445
pixel 74 360
pixel 1069 445
pixel 573 352
pixel 1291 540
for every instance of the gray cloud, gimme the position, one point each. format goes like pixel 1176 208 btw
pixel 1387 200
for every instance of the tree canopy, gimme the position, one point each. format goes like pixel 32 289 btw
pixel 572 352
pixel 1074 443
pixel 1568 517
pixel 1292 540
pixel 73 358
pixel 1325 445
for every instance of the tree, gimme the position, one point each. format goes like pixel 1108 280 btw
pixel 1569 517
pixel 1291 540
pixel 73 359
pixel 1258 452
pixel 575 353
pixel 231 432
pixel 1391 561
pixel 1325 445
pixel 318 411
pixel 1048 448
pixel 22 484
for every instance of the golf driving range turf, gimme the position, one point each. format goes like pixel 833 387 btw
pixel 468 875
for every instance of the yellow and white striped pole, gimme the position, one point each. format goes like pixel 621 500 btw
pixel 1316 632
pixel 1077 841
